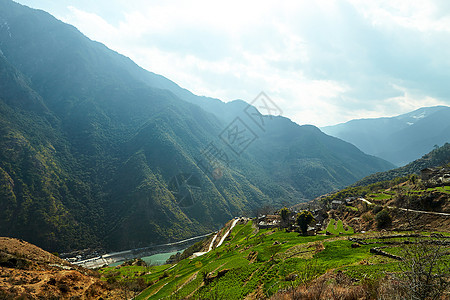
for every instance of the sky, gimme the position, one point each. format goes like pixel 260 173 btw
pixel 322 62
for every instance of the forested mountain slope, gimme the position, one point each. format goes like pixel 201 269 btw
pixel 95 151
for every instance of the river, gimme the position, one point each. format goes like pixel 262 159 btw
pixel 117 258
pixel 155 259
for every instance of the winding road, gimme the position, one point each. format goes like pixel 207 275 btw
pixel 211 245
pixel 410 210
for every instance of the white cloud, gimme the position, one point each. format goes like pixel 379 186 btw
pixel 323 62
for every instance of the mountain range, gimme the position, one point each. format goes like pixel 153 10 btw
pixel 439 156
pixel 399 139
pixel 98 152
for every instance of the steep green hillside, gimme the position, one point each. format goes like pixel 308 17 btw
pixel 40 199
pixel 96 151
pixel 256 264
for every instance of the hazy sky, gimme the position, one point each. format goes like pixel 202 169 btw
pixel 322 62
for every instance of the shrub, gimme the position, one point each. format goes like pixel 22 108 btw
pixel 383 219
pixel 63 287
pixel 377 209
pixel 425 269
pixel 367 217
pixel 164 275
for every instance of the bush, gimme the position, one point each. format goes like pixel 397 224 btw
pixel 377 209
pixel 367 217
pixel 383 219
pixel 163 275
pixel 425 269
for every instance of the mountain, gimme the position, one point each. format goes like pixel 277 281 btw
pixel 98 152
pixel 399 139
pixel 438 157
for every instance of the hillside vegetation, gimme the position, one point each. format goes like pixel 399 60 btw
pixel 388 240
pixel 369 248
pixel 438 157
pixel 96 152
pixel 259 264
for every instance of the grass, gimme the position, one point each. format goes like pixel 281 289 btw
pixel 265 260
pixel 364 271
pixel 443 189
pixel 352 208
pixel 337 228
pixel 243 277
pixel 380 196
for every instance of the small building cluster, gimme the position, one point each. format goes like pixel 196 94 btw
pixel 275 221
pixel 269 221
pixel 435 176
pixel 335 204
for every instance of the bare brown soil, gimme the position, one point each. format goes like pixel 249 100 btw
pixel 28 272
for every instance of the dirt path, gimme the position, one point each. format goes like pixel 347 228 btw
pixel 211 245
pixel 227 233
pixel 421 211
pixel 410 210
pixel 187 281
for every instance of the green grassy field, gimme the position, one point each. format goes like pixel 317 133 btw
pixel 337 228
pixel 264 260
pixel 380 196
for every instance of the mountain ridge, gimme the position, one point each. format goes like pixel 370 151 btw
pixel 111 161
pixel 435 158
pixel 400 139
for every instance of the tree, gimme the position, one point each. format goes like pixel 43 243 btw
pixel 303 219
pixel 413 178
pixel 284 214
pixel 425 268
pixel 383 219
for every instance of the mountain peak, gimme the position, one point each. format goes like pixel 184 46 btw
pixel 122 158
pixel 400 139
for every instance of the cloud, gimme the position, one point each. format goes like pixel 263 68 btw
pixel 323 62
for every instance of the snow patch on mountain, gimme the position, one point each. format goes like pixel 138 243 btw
pixel 421 116
pixel 5 26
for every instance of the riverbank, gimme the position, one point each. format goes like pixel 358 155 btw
pixel 117 257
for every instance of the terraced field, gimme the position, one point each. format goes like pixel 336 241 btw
pixel 337 227
pixel 259 263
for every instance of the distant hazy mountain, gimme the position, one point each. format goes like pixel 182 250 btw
pixel 399 139
pixel 436 158
pixel 96 151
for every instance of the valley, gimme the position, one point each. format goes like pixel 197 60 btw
pixel 93 261
pixel 96 152
pixel 119 183
pixel 362 242
pixel 356 254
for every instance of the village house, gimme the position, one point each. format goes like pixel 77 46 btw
pixel 428 173
pixel 436 176
pixel 269 221
pixel 336 203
